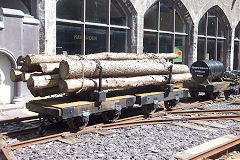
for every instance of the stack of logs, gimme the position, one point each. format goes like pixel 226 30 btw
pixel 54 74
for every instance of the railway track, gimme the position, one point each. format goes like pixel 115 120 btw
pixel 122 123
pixel 17 119
pixel 127 122
pixel 182 107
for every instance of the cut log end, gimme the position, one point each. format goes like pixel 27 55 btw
pixel 20 60
pixel 15 75
pixel 64 69
pixel 28 60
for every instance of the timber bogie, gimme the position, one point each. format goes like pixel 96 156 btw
pixel 102 83
pixel 108 83
pixel 210 77
pixel 75 112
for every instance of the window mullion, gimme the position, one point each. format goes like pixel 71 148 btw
pixel 83 42
pixel 108 39
pixel 206 30
pixel 174 29
pixel 158 28
pixel 215 56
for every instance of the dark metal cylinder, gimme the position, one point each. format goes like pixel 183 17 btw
pixel 207 70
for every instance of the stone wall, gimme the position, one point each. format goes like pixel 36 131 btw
pixel 19 35
pixel 191 10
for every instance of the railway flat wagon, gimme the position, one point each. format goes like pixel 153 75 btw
pixel 76 111
pixel 209 76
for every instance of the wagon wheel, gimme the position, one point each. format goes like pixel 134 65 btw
pixel 53 120
pixel 193 93
pixel 77 123
pixel 170 104
pixel 149 109
pixel 213 95
pixel 111 116
pixel 42 128
pixel 227 94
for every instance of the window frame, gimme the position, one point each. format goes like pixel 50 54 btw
pixel 236 40
pixel 158 32
pixel 108 26
pixel 206 36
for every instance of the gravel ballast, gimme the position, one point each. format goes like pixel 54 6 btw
pixel 160 141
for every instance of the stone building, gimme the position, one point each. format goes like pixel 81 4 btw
pixel 194 29
pixel 19 35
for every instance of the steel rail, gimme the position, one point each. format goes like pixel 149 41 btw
pixel 204 111
pixel 195 104
pixel 44 139
pixel 131 121
pixel 19 132
pixel 113 126
pixel 5 154
pixel 17 119
pixel 161 120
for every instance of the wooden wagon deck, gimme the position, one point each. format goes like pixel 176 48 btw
pixel 69 107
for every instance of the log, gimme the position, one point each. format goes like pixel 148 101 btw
pixel 129 56
pixel 75 85
pixel 49 68
pixel 41 82
pixel 15 75
pixel 33 92
pixel 45 92
pixel 20 60
pixel 75 69
pixel 37 59
pixel 33 59
pixel 48 91
pixel 26 76
pixel 30 68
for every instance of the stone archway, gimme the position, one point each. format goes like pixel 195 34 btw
pixel 10 89
pixel 217 11
pixel 186 17
pixel 10 56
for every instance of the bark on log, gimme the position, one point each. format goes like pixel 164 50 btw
pixel 33 92
pixel 74 85
pixel 26 76
pixel 41 82
pixel 74 69
pixel 48 91
pixel 45 92
pixel 129 56
pixel 49 68
pixel 20 60
pixel 15 75
pixel 30 68
pixel 37 59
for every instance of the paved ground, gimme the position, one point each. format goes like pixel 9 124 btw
pixel 14 110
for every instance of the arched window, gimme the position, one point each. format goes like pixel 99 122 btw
pixel 164 30
pixel 211 37
pixel 236 59
pixel 91 26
